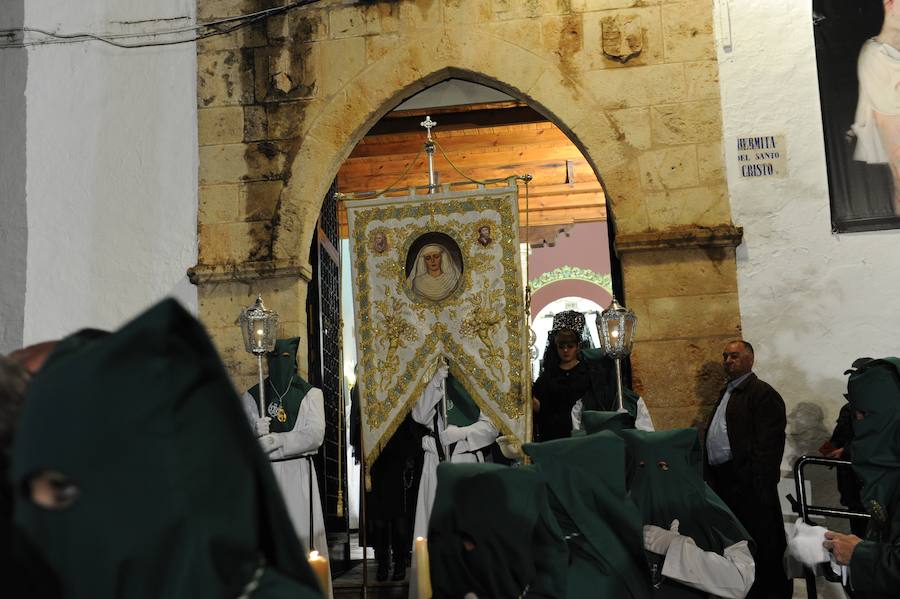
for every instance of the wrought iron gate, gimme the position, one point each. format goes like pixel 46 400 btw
pixel 323 325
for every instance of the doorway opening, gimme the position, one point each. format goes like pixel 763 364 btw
pixel 486 134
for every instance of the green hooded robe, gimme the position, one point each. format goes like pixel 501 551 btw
pixel 175 498
pixel 284 387
pixel 874 389
pixel 586 478
pixel 461 408
pixel 665 480
pixel 492 533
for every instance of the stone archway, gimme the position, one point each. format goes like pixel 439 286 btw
pixel 280 110
pixel 366 98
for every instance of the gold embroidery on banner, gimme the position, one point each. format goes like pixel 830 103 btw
pixel 387 269
pixel 394 332
pixel 481 321
pixel 496 330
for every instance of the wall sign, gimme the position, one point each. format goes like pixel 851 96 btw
pixel 761 156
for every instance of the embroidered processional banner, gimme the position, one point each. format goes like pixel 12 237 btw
pixel 438 277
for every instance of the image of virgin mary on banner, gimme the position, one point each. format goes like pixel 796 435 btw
pixel 428 290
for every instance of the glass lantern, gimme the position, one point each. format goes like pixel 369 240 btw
pixel 259 328
pixel 615 327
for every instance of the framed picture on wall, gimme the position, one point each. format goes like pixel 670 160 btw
pixel 858 57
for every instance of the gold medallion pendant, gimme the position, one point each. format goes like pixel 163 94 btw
pixel 282 415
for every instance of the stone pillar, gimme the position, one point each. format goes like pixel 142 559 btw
pixel 223 294
pixel 682 284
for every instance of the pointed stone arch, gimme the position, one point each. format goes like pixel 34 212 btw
pixel 363 100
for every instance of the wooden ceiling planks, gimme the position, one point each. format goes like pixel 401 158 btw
pixel 485 143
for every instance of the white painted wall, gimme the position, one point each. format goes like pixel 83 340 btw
pixel 811 301
pixel 13 220
pixel 111 168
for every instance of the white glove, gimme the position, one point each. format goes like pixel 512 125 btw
pixel 262 426
pixel 452 434
pixel 806 544
pixel 657 539
pixel 440 374
pixel 270 442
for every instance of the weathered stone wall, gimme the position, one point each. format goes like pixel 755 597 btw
pixel 632 82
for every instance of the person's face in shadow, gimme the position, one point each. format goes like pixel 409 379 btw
pixel 737 360
pixel 567 347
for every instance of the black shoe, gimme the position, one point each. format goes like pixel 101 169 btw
pixel 382 574
pixel 399 572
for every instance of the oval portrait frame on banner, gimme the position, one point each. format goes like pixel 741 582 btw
pixel 428 285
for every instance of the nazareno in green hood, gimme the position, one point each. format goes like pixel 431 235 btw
pixel 284 385
pixel 874 390
pixel 665 480
pixel 586 478
pixel 491 533
pixel 176 498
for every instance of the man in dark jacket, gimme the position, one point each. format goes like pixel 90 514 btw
pixel 744 445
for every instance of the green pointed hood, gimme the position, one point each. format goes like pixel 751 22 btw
pixel 586 476
pixel 176 498
pixel 282 362
pixel 594 422
pixel 491 532
pixel 462 410
pixel 665 480
pixel 874 388
pixel 284 385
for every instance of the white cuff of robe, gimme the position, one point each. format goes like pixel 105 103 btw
pixel 453 434
pixel 729 576
pixel 271 442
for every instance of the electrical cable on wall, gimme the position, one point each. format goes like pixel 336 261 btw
pixel 201 31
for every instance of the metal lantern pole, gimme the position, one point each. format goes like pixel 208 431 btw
pixel 620 394
pixel 262 387
pixel 258 328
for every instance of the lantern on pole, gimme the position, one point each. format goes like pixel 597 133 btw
pixel 615 327
pixel 258 328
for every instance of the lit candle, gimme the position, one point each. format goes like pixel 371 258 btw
pixel 260 338
pixel 319 567
pixel 423 572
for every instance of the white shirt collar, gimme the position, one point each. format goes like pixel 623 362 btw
pixel 734 383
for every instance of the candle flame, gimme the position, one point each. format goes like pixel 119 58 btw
pixel 313 554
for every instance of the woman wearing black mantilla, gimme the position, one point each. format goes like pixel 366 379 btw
pixel 575 378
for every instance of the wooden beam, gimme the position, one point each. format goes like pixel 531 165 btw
pixel 484 140
pixel 545 173
pixel 460 120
